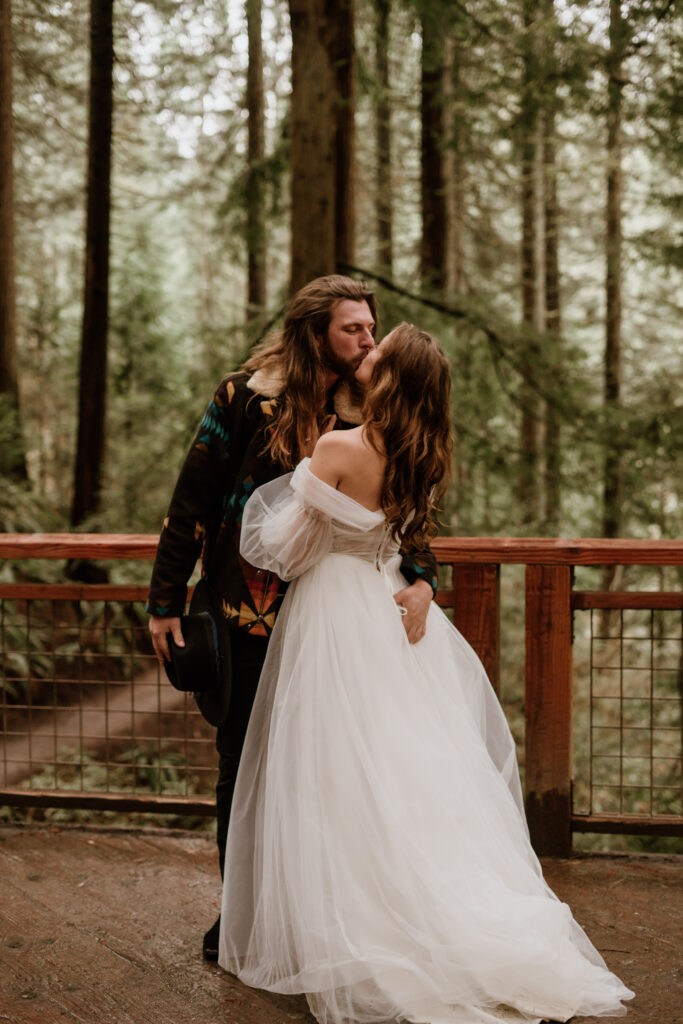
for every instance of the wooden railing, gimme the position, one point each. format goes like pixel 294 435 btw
pixel 474 597
pixel 549 603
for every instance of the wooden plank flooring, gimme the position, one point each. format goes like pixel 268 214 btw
pixel 105 927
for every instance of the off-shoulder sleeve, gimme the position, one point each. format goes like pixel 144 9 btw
pixel 287 523
pixel 281 532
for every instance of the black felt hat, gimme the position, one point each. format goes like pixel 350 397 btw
pixel 203 666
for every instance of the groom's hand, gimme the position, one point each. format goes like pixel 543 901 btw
pixel 416 600
pixel 160 627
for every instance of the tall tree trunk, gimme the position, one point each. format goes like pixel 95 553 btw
pixel 256 228
pixel 313 157
pixel 456 171
pixel 383 182
pixel 15 464
pixel 613 482
pixel 552 449
pixel 93 364
pixel 341 27
pixel 528 491
pixel 434 249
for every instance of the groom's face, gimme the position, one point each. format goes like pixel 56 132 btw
pixel 349 338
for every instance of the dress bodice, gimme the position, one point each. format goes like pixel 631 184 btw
pixel 376 545
pixel 291 523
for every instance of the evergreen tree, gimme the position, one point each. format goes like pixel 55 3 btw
pixel 313 154
pixel 13 462
pixel 183 176
pixel 614 474
pixel 256 229
pixel 93 362
pixel 531 267
pixel 551 231
pixel 384 212
pixel 434 248
pixel 341 22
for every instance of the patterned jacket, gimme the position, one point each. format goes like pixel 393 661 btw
pixel 223 466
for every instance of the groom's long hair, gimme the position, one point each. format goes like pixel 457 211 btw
pixel 407 417
pixel 294 355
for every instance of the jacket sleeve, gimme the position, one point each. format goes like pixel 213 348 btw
pixel 196 506
pixel 420 565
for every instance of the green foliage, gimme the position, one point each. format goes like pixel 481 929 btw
pixel 44 642
pixel 178 252
pixel 152 391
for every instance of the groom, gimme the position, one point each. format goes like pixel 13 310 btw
pixel 262 419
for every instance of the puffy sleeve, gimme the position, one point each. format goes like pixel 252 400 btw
pixel 282 531
pixel 287 524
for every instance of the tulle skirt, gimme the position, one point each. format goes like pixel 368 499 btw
pixel 378 858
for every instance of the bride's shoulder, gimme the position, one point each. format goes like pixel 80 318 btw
pixel 334 453
pixel 340 442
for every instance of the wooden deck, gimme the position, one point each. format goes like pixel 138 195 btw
pixel 104 927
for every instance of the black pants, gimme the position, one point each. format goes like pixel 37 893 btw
pixel 248 655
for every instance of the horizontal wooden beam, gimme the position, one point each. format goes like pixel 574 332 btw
pixel 481 550
pixel 635 825
pixel 72 592
pixel 582 600
pixel 78 545
pixel 557 551
pixel 150 803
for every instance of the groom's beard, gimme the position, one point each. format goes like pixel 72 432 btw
pixel 344 368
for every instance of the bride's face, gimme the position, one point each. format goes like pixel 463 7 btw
pixel 364 371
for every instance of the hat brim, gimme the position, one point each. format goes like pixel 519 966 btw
pixel 204 671
pixel 195 665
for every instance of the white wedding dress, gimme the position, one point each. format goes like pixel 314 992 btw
pixel 378 857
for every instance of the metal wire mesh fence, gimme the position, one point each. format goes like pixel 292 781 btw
pixel 628 724
pixel 85 708
pixel 89 722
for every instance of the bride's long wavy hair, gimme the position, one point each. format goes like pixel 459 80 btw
pixel 294 353
pixel 406 413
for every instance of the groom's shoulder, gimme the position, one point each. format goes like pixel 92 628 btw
pixel 233 390
pixel 235 380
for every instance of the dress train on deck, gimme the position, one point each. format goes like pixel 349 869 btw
pixel 378 857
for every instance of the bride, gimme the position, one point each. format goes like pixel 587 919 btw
pixel 378 857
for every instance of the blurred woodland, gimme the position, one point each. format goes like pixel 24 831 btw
pixel 505 173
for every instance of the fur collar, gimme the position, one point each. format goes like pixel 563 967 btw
pixel 271 383
pixel 344 405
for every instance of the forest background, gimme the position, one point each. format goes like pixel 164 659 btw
pixel 504 173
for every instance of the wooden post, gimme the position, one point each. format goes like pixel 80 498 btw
pixel 476 613
pixel 548 708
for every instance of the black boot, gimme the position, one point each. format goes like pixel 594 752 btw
pixel 210 943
